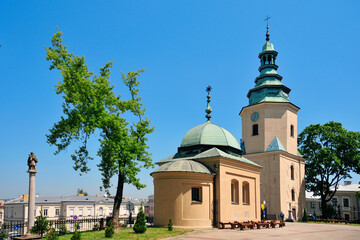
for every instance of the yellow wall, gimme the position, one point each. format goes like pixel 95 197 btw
pixel 172 193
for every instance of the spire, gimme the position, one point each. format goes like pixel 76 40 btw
pixel 268 85
pixel 208 109
pixel 267 28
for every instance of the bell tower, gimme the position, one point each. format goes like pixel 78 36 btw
pixel 269 132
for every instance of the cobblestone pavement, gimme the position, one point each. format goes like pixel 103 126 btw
pixel 310 231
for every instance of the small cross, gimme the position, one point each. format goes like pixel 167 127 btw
pixel 208 89
pixel 267 20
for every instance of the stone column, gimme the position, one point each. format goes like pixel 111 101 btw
pixel 32 160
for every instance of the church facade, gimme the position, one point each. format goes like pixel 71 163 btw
pixel 212 178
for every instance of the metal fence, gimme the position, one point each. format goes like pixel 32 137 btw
pixel 17 228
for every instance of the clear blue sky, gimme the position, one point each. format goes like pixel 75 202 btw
pixel 184 46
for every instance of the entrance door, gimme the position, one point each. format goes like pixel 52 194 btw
pixel 294 213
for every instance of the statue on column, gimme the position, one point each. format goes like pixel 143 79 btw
pixel 32 160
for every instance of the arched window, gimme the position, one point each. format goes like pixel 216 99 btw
pixel 246 193
pixel 292 195
pixel 292 172
pixel 101 211
pixel 234 191
pixel 291 130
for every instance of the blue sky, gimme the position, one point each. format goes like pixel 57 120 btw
pixel 184 46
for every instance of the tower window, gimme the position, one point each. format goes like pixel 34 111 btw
pixel 292 195
pixel 234 192
pixel 246 193
pixel 292 172
pixel 255 129
pixel 292 130
pixel 196 194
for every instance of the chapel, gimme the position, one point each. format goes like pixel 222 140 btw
pixel 213 178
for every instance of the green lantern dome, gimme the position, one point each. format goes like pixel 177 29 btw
pixel 209 134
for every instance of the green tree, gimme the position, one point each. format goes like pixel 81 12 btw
pixel 41 225
pixel 140 224
pixel 81 191
pixel 92 108
pixel 331 154
pixel 357 194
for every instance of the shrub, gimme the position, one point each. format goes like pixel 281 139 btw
pixel 305 218
pixel 170 225
pixel 140 225
pixel 3 235
pixel 76 235
pixel 315 215
pixel 109 232
pixel 41 225
pixel 62 230
pixel 52 235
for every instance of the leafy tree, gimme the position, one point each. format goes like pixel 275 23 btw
pixel 41 225
pixel 357 194
pixel 140 224
pixel 91 107
pixel 109 231
pixel 331 154
pixel 81 191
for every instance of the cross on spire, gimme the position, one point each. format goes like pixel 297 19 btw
pixel 267 28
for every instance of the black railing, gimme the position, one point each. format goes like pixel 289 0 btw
pixel 18 228
pixel 14 228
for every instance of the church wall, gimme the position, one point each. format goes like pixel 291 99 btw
pixel 241 211
pixel 172 199
pixel 298 185
pixel 269 181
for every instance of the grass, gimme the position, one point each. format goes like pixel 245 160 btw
pixel 128 233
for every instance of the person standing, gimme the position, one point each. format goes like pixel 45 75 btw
pixel 282 216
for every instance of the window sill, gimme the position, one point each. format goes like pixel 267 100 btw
pixel 244 203
pixel 235 203
pixel 196 202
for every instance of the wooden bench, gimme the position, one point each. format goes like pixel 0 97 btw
pixel 232 225
pixel 244 225
pixel 262 224
pixel 274 223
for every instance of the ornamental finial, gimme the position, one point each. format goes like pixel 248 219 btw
pixel 208 108
pixel 267 28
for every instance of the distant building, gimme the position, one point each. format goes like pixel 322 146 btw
pixel 344 202
pixel 1 212
pixel 56 208
pixel 149 209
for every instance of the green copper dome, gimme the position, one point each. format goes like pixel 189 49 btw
pixel 183 166
pixel 209 134
pixel 268 46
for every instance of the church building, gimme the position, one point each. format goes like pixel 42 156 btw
pixel 212 178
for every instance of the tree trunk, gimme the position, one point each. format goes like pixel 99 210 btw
pixel 324 211
pixel 117 201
